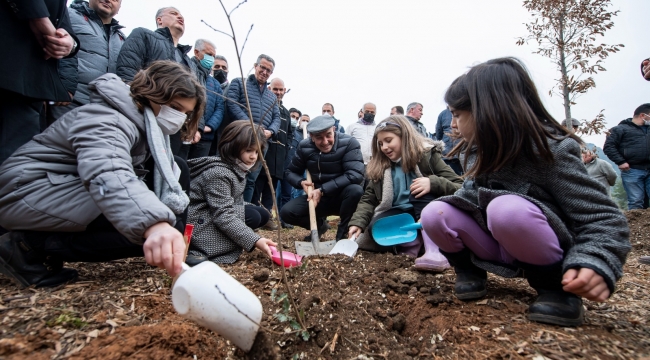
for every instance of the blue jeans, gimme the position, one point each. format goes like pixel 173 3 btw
pixel 636 184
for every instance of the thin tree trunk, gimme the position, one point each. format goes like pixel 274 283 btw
pixel 565 75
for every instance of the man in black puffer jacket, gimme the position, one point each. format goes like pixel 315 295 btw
pixel 628 146
pixel 335 163
pixel 144 46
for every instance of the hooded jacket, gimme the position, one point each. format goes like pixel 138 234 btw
pixel 97 54
pixel 85 164
pixel 378 196
pixel 592 231
pixel 628 143
pixel 217 210
pixel 144 47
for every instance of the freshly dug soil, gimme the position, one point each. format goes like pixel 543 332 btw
pixel 373 306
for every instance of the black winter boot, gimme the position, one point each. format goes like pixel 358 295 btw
pixel 553 305
pixel 28 265
pixel 470 280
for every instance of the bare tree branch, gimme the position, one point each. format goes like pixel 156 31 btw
pixel 219 31
pixel 246 40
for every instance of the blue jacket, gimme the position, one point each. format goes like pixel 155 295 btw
pixel 262 101
pixel 443 129
pixel 214 108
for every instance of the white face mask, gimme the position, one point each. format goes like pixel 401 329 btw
pixel 170 120
pixel 294 122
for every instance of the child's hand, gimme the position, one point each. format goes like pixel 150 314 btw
pixel 164 247
pixel 586 283
pixel 420 186
pixel 354 231
pixel 263 244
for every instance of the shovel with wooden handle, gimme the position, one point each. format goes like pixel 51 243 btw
pixel 315 247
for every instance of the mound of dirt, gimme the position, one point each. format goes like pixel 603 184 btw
pixel 372 306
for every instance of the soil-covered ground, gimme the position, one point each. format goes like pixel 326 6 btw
pixel 371 307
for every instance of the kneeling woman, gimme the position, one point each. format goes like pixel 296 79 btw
pixel 82 190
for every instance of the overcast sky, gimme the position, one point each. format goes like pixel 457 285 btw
pixel 395 52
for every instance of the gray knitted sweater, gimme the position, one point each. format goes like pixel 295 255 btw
pixel 217 210
pixel 592 231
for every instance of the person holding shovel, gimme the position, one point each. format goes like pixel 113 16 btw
pixel 406 172
pixel 101 183
pixel 335 163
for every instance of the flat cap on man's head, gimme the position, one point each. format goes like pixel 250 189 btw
pixel 574 122
pixel 320 124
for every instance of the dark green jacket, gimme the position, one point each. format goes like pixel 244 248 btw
pixel 444 181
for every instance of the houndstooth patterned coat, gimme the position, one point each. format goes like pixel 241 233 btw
pixel 217 211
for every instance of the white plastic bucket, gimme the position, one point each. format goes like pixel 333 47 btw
pixel 198 295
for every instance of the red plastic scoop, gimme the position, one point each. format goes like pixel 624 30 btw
pixel 290 259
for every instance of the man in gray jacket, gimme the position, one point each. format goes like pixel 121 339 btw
pixel 101 39
pixel 599 169
pixel 414 114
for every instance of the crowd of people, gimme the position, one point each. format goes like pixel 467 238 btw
pixel 112 144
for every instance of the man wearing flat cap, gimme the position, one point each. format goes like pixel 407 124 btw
pixel 335 163
pixel 575 123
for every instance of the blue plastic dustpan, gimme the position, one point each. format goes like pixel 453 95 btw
pixel 396 229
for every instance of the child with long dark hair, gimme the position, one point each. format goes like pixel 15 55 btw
pixel 223 223
pixel 406 172
pixel 527 205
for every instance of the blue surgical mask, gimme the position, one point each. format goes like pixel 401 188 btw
pixel 207 61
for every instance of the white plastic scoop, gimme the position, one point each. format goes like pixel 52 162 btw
pixel 347 247
pixel 212 298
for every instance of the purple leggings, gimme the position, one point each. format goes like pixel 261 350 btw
pixel 518 231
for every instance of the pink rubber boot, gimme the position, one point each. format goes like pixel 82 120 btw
pixel 432 260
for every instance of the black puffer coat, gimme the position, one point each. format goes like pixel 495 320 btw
pixel 279 145
pixel 628 143
pixel 144 46
pixel 331 172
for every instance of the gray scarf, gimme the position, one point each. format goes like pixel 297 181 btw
pixel 165 185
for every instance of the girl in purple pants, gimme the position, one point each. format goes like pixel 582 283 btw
pixel 527 205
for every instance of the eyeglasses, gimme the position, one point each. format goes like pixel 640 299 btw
pixel 264 68
pixel 384 124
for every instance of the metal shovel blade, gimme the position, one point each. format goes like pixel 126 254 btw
pixel 396 229
pixel 306 248
pixel 347 247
